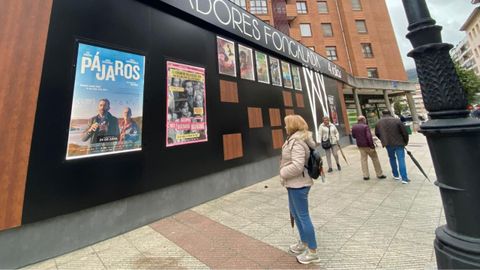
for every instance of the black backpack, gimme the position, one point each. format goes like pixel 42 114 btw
pixel 314 164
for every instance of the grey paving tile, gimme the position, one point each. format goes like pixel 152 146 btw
pixel 75 255
pixel 357 212
pixel 257 231
pixel 120 257
pixel 394 260
pixel 420 251
pixel 329 240
pixel 344 261
pixel 363 252
pixel 89 261
pixel 43 265
pixel 415 236
pixel 118 241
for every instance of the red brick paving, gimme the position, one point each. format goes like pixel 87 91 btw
pixel 221 247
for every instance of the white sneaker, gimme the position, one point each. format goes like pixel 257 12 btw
pixel 297 248
pixel 308 257
pixel 397 178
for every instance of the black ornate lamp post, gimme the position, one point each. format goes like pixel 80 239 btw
pixel 453 139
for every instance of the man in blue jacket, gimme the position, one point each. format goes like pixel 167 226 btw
pixel 363 136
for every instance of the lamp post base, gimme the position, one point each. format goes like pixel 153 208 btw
pixel 455 251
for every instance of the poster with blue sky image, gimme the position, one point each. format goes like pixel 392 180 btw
pixel 107 107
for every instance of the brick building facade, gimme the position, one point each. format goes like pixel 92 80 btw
pixel 356 34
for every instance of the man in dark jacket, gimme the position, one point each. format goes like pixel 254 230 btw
pixel 102 130
pixel 393 135
pixel 363 136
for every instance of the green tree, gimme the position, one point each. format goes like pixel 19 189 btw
pixel 398 105
pixel 470 83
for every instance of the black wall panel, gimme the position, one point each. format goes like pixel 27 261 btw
pixel 56 186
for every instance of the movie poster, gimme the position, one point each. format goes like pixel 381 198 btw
pixel 275 71
pixel 226 57
pixel 186 105
pixel 245 59
pixel 296 78
pixel 262 67
pixel 107 107
pixel 287 75
pixel 333 110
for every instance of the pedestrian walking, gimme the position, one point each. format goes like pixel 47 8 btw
pixel 330 137
pixel 293 175
pixel 393 135
pixel 363 136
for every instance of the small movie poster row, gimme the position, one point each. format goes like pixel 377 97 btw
pixel 280 72
pixel 107 106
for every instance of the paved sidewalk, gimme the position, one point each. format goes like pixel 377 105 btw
pixel 375 224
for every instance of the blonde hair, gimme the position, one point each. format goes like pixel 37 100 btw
pixel 294 123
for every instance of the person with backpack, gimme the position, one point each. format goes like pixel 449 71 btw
pixel 363 136
pixel 330 137
pixel 294 176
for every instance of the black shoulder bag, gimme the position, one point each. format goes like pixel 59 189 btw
pixel 327 144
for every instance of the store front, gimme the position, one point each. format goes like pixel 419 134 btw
pixel 144 109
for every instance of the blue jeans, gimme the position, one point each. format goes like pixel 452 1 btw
pixel 394 153
pixel 298 203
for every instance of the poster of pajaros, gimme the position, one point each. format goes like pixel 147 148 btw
pixel 107 107
pixel 186 105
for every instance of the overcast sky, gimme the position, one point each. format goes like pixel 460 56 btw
pixel 450 14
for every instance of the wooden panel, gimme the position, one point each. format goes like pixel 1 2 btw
pixel 299 99
pixel 23 32
pixel 275 120
pixel 287 99
pixel 232 146
pixel 277 138
pixel 255 119
pixel 228 91
pixel 289 111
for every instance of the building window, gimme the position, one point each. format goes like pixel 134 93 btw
pixel 327 29
pixel 311 48
pixel 356 5
pixel 302 7
pixel 331 53
pixel 305 30
pixel 258 6
pixel 361 26
pixel 240 3
pixel 322 7
pixel 367 50
pixel 372 72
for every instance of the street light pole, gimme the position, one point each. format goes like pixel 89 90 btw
pixel 453 138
